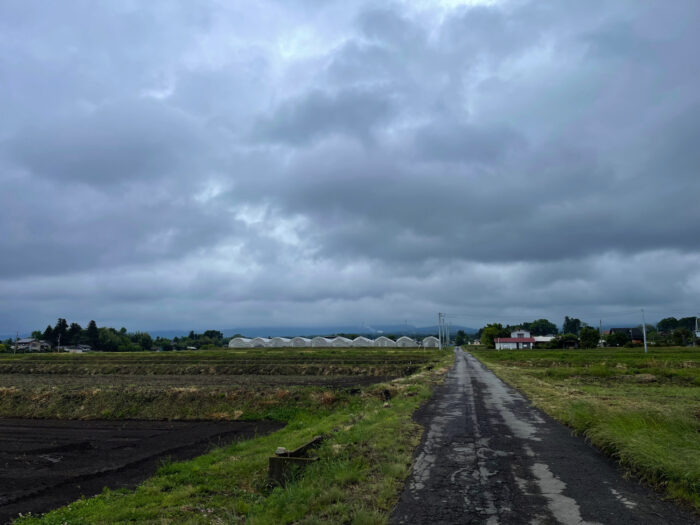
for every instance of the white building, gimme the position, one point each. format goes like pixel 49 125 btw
pixel 280 342
pixel 519 339
pixel 260 342
pixel 240 342
pixel 431 342
pixel 362 342
pixel 339 341
pixel 406 342
pixel 301 342
pixel 384 342
pixel 320 342
pixel 543 339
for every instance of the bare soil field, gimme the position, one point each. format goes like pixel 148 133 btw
pixel 47 463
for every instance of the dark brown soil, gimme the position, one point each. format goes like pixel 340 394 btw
pixel 48 463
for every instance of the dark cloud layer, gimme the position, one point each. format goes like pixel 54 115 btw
pixel 297 163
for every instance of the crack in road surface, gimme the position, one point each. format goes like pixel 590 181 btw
pixel 489 457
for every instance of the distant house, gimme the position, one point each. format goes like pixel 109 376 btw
pixel 519 339
pixel 77 349
pixel 541 340
pixel 635 334
pixel 431 342
pixel 29 344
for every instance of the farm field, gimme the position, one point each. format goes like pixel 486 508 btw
pixel 360 399
pixel 641 409
pixel 47 463
pixel 259 383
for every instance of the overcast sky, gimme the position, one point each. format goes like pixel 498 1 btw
pixel 220 164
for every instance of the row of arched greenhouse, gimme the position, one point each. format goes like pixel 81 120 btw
pixel 333 342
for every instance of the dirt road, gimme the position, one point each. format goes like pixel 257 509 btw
pixel 489 457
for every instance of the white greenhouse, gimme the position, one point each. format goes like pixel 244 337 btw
pixel 431 342
pixel 280 342
pixel 321 342
pixel 240 342
pixel 362 342
pixel 385 342
pixel 301 342
pixel 406 342
pixel 260 342
pixel 341 342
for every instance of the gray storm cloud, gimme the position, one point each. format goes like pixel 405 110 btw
pixel 294 163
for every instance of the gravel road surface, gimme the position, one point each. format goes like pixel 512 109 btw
pixel 489 457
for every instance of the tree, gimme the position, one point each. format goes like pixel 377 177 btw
pixel 681 335
pixel 589 337
pixel 36 334
pixel 93 334
pixel 571 325
pixel 49 336
pixel 687 323
pixel 108 340
pixel 541 327
pixel 74 332
pixel 617 339
pixel 218 336
pixel 460 338
pixel 145 341
pixel 669 324
pixel 490 332
pixel 567 340
pixel 60 330
pixel 163 343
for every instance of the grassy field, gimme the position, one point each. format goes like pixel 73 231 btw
pixel 363 461
pixel 641 409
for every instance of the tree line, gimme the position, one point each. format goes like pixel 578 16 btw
pixel 667 332
pixel 108 339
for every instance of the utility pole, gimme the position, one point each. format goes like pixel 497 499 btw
pixel 644 331
pixel 440 330
pixel 600 331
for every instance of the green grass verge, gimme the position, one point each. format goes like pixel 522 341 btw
pixel 641 409
pixel 362 467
